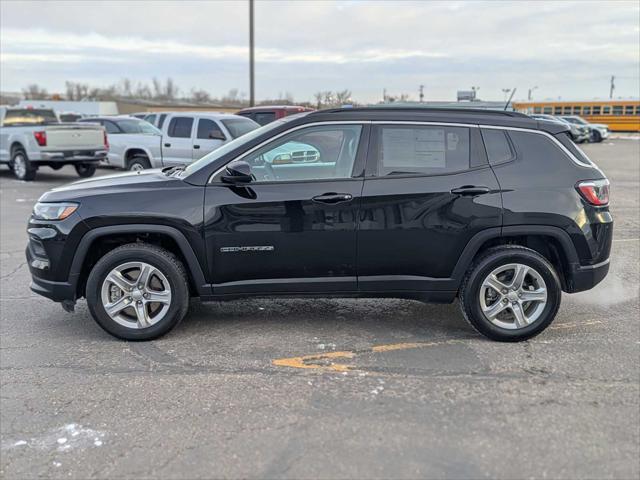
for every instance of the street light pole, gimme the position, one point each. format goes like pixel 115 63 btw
pixel 252 86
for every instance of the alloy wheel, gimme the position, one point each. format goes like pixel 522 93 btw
pixel 513 296
pixel 136 295
pixel 20 165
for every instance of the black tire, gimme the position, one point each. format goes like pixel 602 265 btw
pixel 21 167
pixel 138 162
pixel 56 166
pixel 595 136
pixel 163 260
pixel 483 266
pixel 85 170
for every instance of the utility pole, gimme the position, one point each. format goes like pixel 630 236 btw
pixel 252 85
pixel 384 95
pixel 506 92
pixel 421 93
pixel 613 86
pixel 530 96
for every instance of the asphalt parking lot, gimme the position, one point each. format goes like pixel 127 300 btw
pixel 323 388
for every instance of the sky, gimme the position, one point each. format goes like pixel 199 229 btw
pixel 566 49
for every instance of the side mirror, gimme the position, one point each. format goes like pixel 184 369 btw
pixel 238 172
pixel 216 135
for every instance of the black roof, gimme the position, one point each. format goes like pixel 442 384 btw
pixel 448 115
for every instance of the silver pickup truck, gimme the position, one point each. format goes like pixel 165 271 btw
pixel 31 138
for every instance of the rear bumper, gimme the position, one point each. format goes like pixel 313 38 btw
pixel 586 277
pixel 70 156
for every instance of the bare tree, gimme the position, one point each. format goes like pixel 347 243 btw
pixel 35 92
pixel 157 88
pixel 318 96
pixel 200 96
pixel 125 87
pixel 171 90
pixel 343 97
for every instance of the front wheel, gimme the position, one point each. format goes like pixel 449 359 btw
pixel 510 294
pixel 138 292
pixel 85 170
pixel 596 137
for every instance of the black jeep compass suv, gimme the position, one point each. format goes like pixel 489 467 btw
pixel 495 208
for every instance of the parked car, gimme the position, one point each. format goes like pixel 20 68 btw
pixel 70 117
pixel 579 133
pixel 268 113
pixel 427 204
pixel 188 136
pixel 134 144
pixel 597 131
pixel 31 138
pixel 156 118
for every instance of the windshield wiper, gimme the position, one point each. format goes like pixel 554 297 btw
pixel 168 171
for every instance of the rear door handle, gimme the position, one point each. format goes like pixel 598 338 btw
pixel 196 147
pixel 332 197
pixel 470 190
pixel 167 145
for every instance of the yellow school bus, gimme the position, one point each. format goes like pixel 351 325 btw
pixel 619 115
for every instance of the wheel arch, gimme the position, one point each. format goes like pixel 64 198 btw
pixel 15 145
pixel 132 152
pixel 551 242
pixel 97 242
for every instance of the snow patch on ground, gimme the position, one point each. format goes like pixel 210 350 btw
pixel 66 438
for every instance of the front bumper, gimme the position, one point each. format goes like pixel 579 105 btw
pixel 75 156
pixel 39 264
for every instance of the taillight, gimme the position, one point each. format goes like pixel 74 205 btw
pixel 106 140
pixel 596 192
pixel 41 138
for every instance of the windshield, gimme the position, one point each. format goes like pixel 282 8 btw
pixel 29 116
pixel 138 126
pixel 577 120
pixel 232 145
pixel 239 126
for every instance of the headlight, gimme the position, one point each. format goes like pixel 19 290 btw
pixel 54 211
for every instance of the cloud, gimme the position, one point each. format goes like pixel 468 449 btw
pixel 566 48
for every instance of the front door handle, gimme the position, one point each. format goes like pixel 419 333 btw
pixel 470 190
pixel 196 147
pixel 167 145
pixel 332 197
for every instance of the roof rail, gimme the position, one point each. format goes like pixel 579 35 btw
pixel 476 111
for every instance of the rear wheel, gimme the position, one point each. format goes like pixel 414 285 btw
pixel 138 292
pixel 85 170
pixel 510 294
pixel 22 168
pixel 138 163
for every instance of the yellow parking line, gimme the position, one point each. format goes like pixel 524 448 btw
pixel 314 361
pixel 323 361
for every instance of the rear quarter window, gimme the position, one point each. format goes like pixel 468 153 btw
pixel 539 148
pixel 498 146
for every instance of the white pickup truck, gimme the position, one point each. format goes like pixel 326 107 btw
pixel 31 138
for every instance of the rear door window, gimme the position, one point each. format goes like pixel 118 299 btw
pixel 421 150
pixel 111 127
pixel 497 145
pixel 180 127
pixel 207 129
